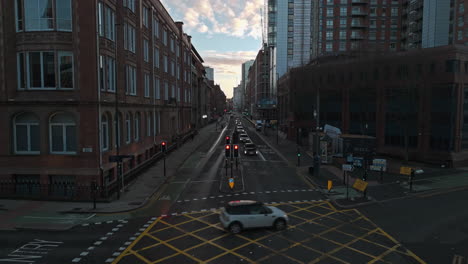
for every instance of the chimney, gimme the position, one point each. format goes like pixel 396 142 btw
pixel 180 26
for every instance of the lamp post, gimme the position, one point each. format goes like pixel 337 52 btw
pixel 317 141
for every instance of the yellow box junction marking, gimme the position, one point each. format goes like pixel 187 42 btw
pixel 324 212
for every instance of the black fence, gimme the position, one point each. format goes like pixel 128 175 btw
pixel 70 191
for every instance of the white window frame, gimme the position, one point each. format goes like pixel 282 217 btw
pixel 130 80
pixel 64 130
pixel 104 136
pixel 156 28
pixel 28 125
pixel 145 16
pixel 110 24
pixel 101 19
pixel 147 84
pixel 110 74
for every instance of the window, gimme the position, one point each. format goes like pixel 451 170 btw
pixel 128 126
pixel 329 47
pixel 157 88
pixel 156 28
pixel 461 20
pixel 156 57
pixel 343 2
pixel 172 68
pixel 145 50
pixel 110 24
pixel 137 127
pixel 145 16
pixel 461 7
pixel 342 34
pixel 373 11
pixel 172 44
pixel 394 11
pixel 110 74
pixel 342 46
pixel 393 34
pixel 178 71
pixel 343 11
pixel 165 37
pixel 130 4
pixel 177 50
pixel 384 11
pixel 38 15
pixel 343 22
pixel 166 90
pixel 329 23
pixel 130 80
pixel 329 35
pixel 329 12
pixel 104 133
pixel 165 63
pixel 148 124
pixel 101 19
pixel 172 91
pixel 65 67
pixel 373 23
pixel 459 35
pixel 147 85
pixel 26 134
pixel 101 73
pixel 372 35
pixel 37 70
pixel 129 37
pixel 62 134
pixel 452 66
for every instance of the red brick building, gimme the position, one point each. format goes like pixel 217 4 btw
pixel 61 69
pixel 415 103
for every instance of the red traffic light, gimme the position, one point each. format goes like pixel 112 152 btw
pixel 163 143
pixel 228 147
pixel 236 146
pixel 227 137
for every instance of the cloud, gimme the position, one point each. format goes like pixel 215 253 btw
pixel 227 66
pixel 238 18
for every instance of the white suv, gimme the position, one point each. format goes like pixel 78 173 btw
pixel 244 214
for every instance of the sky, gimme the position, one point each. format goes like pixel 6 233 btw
pixel 226 33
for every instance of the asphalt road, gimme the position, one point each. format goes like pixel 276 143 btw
pixel 182 226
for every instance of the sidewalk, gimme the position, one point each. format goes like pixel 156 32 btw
pixel 136 195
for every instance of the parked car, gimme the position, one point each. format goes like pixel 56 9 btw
pixel 244 214
pixel 258 127
pixel 243 137
pixel 250 149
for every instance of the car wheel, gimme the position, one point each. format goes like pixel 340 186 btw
pixel 280 224
pixel 235 228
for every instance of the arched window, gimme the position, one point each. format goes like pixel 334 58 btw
pixel 62 134
pixel 128 125
pixel 137 127
pixel 104 133
pixel 26 134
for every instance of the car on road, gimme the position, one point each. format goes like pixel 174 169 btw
pixel 241 131
pixel 250 149
pixel 243 137
pixel 258 127
pixel 244 214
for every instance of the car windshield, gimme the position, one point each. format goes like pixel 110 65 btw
pixel 249 145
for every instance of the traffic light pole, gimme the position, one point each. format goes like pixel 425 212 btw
pixel 164 161
pixel 226 166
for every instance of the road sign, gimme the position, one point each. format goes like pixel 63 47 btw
pixel 347 167
pixel 358 161
pixel 330 185
pixel 231 183
pixel 405 170
pixel 360 185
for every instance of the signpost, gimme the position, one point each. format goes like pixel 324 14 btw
pixel 360 185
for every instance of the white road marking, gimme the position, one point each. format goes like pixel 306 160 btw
pixel 109 260
pixel 115 229
pixel 120 225
pixel 137 233
pixel 252 192
pixel 304 190
pixel 109 234
pixel 204 198
pixel 103 238
pixel 267 192
pixel 127 243
pixel 97 243
pixel 163 215
pixel 274 191
pixel 195 199
pixel 179 201
pixel 76 260
pixel 154 218
pixel 261 155
pixel 122 248
pixel 236 194
pixel 145 225
pixel 244 193
pixel 85 253
pixel 212 197
pixel 91 248
pixel 116 254
pixel 98 223
pixel 109 222
pixel 132 238
pixel 203 210
pixel 174 214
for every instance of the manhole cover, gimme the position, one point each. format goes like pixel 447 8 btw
pixel 134 203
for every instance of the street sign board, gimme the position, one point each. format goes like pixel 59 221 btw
pixel 231 183
pixel 358 161
pixel 405 170
pixel 377 168
pixel 360 185
pixel 347 167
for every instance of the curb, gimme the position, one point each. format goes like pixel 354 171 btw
pixel 372 201
pixel 145 202
pixel 241 176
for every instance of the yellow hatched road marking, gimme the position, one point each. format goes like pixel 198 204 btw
pixel 384 254
pixel 173 248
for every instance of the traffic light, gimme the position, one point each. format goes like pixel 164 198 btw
pixel 236 151
pixel 228 151
pixel 228 140
pixel 163 146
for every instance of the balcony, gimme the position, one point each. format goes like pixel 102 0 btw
pixel 364 2
pixel 358 12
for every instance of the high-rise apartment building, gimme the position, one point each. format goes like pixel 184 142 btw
pixel 301 30
pixel 432 23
